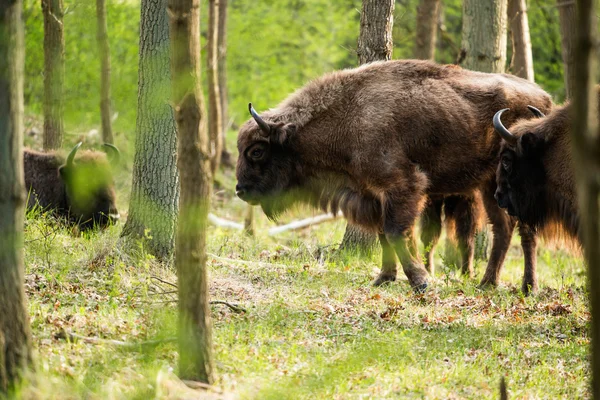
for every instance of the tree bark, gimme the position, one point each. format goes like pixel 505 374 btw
pixel 586 155
pixel 155 182
pixel 226 159
pixel 374 43
pixel 484 35
pixel 54 73
pixel 104 51
pixel 195 336
pixel 15 337
pixel 522 58
pixel 215 121
pixel 568 19
pixel 375 39
pixel 427 23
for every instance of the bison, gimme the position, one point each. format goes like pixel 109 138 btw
pixel 535 175
pixel 375 141
pixel 79 190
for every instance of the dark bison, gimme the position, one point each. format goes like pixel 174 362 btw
pixel 375 141
pixel 535 176
pixel 463 217
pixel 79 189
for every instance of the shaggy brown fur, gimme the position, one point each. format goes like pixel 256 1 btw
pixel 375 141
pixel 83 193
pixel 536 177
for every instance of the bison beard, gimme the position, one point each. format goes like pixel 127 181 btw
pixel 376 141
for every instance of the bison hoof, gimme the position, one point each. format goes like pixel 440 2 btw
pixel 529 288
pixel 420 289
pixel 487 284
pixel 384 278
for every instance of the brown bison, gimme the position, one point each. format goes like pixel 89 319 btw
pixel 375 141
pixel 535 176
pixel 80 190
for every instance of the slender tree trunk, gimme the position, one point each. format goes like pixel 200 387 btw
pixel 104 51
pixel 586 155
pixel 375 39
pixel 484 35
pixel 15 338
pixel 54 73
pixel 427 23
pixel 522 58
pixel 226 159
pixel 215 121
pixel 155 182
pixel 195 336
pixel 374 43
pixel 568 19
pixel 249 228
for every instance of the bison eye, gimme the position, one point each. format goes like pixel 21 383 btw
pixel 507 165
pixel 257 153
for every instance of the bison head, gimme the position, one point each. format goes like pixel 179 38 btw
pixel 520 176
pixel 267 169
pixel 89 187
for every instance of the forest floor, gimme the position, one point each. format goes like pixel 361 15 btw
pixel 312 327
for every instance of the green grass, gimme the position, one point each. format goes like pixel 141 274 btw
pixel 314 327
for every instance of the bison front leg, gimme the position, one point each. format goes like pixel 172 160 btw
pixel 502 227
pixel 529 245
pixel 388 262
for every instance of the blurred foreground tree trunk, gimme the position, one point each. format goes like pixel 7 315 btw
pixel 568 20
pixel 484 35
pixel 374 43
pixel 215 119
pixel 222 65
pixel 155 183
pixel 522 58
pixel 195 336
pixel 104 51
pixel 15 337
pixel 54 73
pixel 427 22
pixel 586 155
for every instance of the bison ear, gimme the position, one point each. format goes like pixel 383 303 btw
pixel 282 133
pixel 530 143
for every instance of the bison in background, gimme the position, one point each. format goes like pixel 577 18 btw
pixel 80 190
pixel 376 141
pixel 536 176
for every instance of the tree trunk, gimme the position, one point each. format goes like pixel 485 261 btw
pixel 54 73
pixel 375 39
pixel 522 58
pixel 586 155
pixel 195 336
pixel 568 19
pixel 15 337
pixel 155 182
pixel 215 121
pixel 374 43
pixel 226 159
pixel 427 23
pixel 104 51
pixel 484 35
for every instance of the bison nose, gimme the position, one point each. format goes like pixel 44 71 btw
pixel 240 191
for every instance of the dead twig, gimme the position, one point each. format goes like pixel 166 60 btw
pixel 73 337
pixel 163 281
pixel 234 307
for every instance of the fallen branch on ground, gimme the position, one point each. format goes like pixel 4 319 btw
pixel 234 307
pixel 292 226
pixel 73 337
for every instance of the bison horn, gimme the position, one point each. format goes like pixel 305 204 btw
pixel 71 155
pixel 536 112
pixel 261 122
pixel 502 131
pixel 113 153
